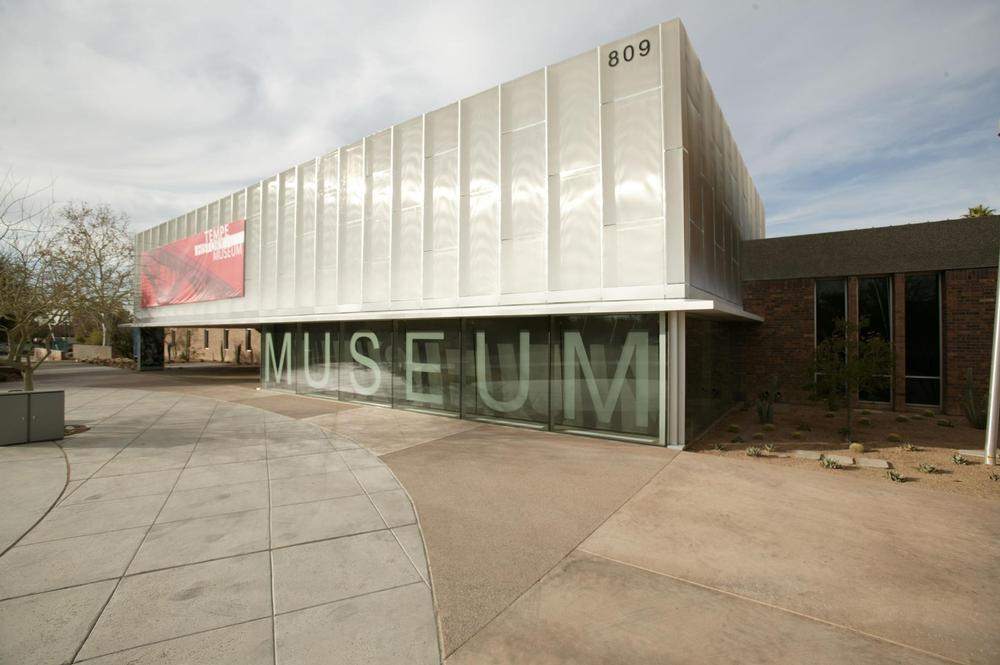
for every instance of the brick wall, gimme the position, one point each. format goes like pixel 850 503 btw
pixel 969 300
pixel 783 344
pixel 214 351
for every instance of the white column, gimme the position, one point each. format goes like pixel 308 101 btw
pixel 662 378
pixel 993 418
pixel 676 324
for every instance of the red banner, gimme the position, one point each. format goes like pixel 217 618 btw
pixel 205 266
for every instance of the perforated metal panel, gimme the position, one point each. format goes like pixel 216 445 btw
pixel 611 177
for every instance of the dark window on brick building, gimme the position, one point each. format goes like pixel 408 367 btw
pixel 205 334
pixel 831 305
pixel 246 340
pixel 923 340
pixel 225 339
pixel 875 320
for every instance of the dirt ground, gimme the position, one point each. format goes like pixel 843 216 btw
pixel 935 444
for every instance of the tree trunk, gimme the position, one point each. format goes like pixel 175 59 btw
pixel 28 374
pixel 104 333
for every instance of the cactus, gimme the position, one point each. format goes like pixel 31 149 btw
pixel 829 463
pixel 764 404
pixel 857 447
pixel 894 476
pixel 958 459
pixel 927 468
pixel 769 447
pixel 753 451
pixel 974 408
pixel 908 447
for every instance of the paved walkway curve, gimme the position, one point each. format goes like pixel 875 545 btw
pixel 199 531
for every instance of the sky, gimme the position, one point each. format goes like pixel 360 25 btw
pixel 848 114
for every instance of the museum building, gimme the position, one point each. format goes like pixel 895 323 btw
pixel 581 249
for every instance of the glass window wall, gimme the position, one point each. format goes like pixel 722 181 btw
pixel 571 373
pixel 923 340
pixel 875 320
pixel 604 371
pixel 506 372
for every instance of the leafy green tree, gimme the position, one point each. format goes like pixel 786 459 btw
pixel 980 211
pixel 848 363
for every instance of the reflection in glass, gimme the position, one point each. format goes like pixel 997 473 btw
pixel 875 320
pixel 366 362
pixel 831 306
pixel 923 340
pixel 604 373
pixel 277 364
pixel 318 347
pixel 507 368
pixel 428 365
pixel 712 381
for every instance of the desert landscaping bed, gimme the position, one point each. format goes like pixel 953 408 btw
pixel 935 438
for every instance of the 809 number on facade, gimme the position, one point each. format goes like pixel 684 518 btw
pixel 628 53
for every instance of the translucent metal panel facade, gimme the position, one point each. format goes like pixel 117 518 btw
pixel 607 180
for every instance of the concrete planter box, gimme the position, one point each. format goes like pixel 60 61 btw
pixel 26 417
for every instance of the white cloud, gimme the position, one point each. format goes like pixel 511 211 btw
pixel 157 107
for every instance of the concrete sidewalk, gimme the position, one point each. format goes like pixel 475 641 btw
pixel 197 531
pixel 546 548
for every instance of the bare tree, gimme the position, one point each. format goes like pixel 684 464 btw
pixel 33 296
pixel 95 248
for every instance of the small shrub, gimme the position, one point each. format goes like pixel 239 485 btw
pixel 927 468
pixel 944 423
pixel 958 459
pixel 857 447
pixel 796 435
pixel 864 421
pixel 866 412
pixel 733 428
pixel 973 405
pixel 753 451
pixel 908 447
pixel 718 446
pixel 764 404
pixel 829 463
pixel 804 427
pixel 901 418
pixel 829 414
pixel 927 413
pixel 736 439
pixel 894 438
pixel 994 476
pixel 758 436
pixel 769 447
pixel 894 476
pixel 768 427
